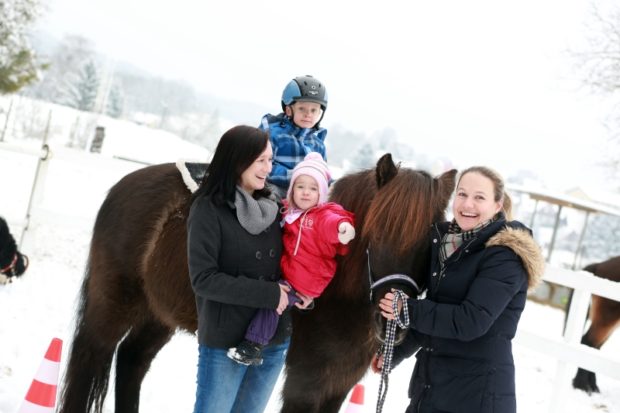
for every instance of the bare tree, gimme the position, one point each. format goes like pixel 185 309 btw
pixel 599 64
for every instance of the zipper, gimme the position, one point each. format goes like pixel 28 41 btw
pixel 450 260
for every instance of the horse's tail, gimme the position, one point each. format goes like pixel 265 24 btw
pixel 591 268
pixel 86 378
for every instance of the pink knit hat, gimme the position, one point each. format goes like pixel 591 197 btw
pixel 313 165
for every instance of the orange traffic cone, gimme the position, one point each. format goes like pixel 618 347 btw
pixel 41 396
pixel 356 402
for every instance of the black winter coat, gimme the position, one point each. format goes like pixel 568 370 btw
pixel 465 325
pixel 233 273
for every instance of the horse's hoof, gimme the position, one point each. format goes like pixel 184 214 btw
pixel 585 385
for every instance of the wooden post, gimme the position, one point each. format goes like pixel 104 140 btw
pixel 97 142
pixel 36 194
pixel 6 121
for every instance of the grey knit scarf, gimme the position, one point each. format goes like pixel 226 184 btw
pixel 254 215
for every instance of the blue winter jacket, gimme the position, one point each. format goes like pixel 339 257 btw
pixel 465 325
pixel 290 145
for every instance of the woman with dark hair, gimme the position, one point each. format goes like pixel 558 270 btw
pixel 234 246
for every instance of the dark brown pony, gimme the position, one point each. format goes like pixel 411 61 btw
pixel 604 319
pixel 136 292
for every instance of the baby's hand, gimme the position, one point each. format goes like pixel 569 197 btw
pixel 346 232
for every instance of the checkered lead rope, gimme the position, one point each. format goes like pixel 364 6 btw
pixel 387 349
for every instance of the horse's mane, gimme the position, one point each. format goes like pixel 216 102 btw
pixel 399 215
pixel 355 192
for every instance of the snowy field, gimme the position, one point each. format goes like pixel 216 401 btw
pixel 40 305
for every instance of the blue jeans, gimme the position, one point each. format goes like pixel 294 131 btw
pixel 223 385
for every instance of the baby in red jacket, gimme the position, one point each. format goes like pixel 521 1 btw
pixel 314 232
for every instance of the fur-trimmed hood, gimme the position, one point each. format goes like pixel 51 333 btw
pixel 521 242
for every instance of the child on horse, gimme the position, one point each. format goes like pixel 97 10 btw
pixel 296 131
pixel 314 232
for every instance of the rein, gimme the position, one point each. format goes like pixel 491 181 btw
pixel 387 349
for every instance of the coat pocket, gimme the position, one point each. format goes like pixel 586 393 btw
pixel 462 385
pixel 493 403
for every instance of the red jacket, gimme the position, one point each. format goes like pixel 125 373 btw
pixel 313 265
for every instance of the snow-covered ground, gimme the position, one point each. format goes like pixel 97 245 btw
pixel 40 305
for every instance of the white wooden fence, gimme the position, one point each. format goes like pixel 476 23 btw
pixel 104 171
pixel 568 350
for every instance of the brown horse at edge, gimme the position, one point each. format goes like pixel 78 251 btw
pixel 604 319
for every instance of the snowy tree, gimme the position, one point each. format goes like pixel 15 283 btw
pixel 18 62
pixel 83 93
pixel 66 65
pixel 387 141
pixel 114 105
pixel 341 143
pixel 365 157
pixel 602 239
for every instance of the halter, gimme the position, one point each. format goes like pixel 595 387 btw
pixel 10 267
pixel 392 277
pixel 9 270
pixel 387 349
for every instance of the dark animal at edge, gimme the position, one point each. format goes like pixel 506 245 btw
pixel 604 317
pixel 12 262
pixel 136 291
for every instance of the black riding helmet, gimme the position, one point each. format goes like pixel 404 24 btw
pixel 304 88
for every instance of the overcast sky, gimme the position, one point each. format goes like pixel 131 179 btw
pixel 478 82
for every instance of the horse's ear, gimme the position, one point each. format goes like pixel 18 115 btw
pixel 445 186
pixel 386 170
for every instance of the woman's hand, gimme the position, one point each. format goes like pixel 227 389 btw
pixel 377 363
pixel 284 289
pixel 386 306
pixel 305 301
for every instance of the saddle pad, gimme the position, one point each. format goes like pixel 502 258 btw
pixel 192 173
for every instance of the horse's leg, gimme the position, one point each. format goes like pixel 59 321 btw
pixel 605 317
pixel 328 355
pixel 133 360
pixel 308 402
pixel 323 392
pixel 298 392
pixel 333 403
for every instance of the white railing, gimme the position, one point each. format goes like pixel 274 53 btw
pixel 22 225
pixel 568 349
